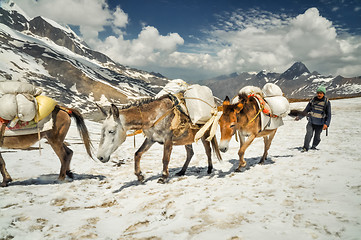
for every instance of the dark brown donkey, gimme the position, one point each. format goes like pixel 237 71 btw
pixel 243 117
pixel 161 122
pixel 55 136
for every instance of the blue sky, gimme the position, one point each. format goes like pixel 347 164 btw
pixel 195 40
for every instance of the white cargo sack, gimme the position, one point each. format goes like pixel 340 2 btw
pixel 14 87
pixel 279 105
pixel 200 103
pixel 173 87
pixel 271 90
pixel 273 95
pixel 251 90
pixel 26 108
pixel 17 100
pixel 8 107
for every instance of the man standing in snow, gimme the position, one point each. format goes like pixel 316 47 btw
pixel 318 112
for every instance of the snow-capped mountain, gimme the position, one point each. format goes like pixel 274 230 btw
pixel 53 57
pixel 297 82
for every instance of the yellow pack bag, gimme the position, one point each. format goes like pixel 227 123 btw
pixel 45 106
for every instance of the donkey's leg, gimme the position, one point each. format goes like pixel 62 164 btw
pixel 167 150
pixel 267 144
pixel 4 173
pixel 65 154
pixel 69 156
pixel 190 153
pixel 242 149
pixel 207 148
pixel 242 138
pixel 145 147
pixel 265 151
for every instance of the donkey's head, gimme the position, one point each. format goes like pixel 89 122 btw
pixel 228 122
pixel 113 134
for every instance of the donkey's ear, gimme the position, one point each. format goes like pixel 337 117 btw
pixel 102 110
pixel 226 101
pixel 114 111
pixel 239 107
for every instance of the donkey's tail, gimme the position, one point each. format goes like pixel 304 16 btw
pixel 83 131
pixel 216 148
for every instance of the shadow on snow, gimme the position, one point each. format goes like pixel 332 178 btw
pixel 49 179
pixel 201 172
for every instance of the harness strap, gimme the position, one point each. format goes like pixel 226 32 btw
pixel 67 110
pixel 259 111
pixel 163 116
pixel 177 105
pixel 136 132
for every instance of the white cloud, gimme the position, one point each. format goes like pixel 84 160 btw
pixel 90 15
pixel 120 18
pixel 148 48
pixel 76 12
pixel 246 41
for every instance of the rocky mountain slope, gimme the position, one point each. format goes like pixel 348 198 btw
pixel 296 82
pixel 53 57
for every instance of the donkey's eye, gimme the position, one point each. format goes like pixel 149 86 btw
pixel 232 125
pixel 111 131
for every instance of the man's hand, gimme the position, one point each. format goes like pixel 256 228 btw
pixel 324 127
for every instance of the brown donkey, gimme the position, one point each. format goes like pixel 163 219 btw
pixel 55 136
pixel 156 118
pixel 243 117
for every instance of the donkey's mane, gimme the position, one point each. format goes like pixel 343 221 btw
pixel 247 101
pixel 141 102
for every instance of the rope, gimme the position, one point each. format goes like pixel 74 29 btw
pixel 39 138
pixel 199 100
pixel 259 111
pixel 211 123
pixel 163 116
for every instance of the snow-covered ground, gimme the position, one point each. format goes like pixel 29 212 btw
pixel 313 195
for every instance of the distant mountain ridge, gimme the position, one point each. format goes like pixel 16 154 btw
pixel 296 82
pixel 52 56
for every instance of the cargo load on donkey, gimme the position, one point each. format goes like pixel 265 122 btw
pixel 197 102
pixel 23 109
pixel 27 117
pixel 274 106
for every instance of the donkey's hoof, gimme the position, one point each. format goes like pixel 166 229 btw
pixel 5 183
pixel 180 173
pixel 140 178
pixel 209 171
pixel 70 174
pixel 162 180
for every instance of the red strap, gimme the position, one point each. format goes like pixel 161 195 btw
pixel 67 110
pixel 3 121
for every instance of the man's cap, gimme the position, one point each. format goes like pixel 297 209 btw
pixel 321 89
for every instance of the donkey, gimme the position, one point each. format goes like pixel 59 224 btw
pixel 243 117
pixel 55 136
pixel 154 117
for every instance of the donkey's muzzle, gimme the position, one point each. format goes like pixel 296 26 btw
pixel 103 159
pixel 223 146
pixel 223 149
